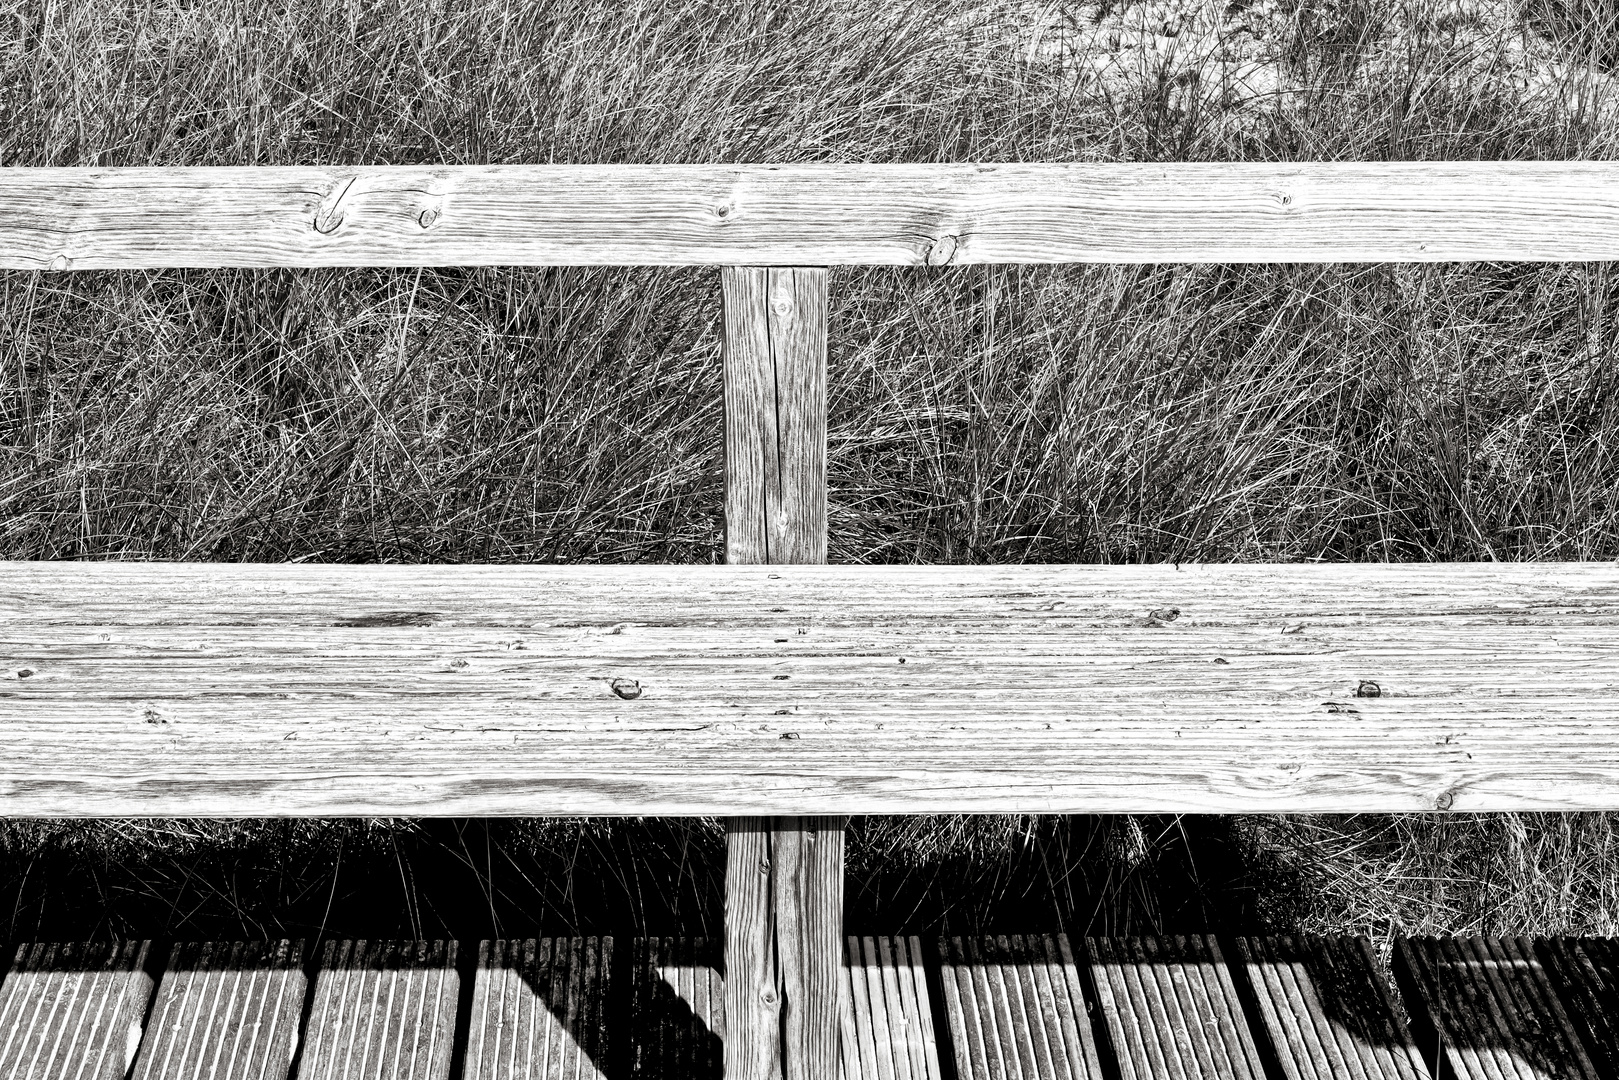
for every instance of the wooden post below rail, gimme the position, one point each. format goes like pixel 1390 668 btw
pixel 783 876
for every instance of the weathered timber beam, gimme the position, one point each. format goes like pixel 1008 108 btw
pixel 220 689
pixel 783 875
pixel 775 414
pixel 823 215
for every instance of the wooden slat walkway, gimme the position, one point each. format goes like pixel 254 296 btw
pixel 539 1009
pixel 73 1010
pixel 1171 1010
pixel 1015 1008
pixel 1034 1007
pixel 225 1011
pixel 383 1010
pixel 1586 974
pixel 676 1016
pixel 1486 1008
pixel 1325 1011
pixel 888 1018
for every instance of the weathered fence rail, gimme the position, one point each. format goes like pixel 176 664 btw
pixel 806 215
pixel 203 689
pixel 799 690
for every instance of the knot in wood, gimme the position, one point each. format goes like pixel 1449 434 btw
pixel 1445 801
pixel 942 251
pixel 628 689
pixel 1368 688
pixel 426 218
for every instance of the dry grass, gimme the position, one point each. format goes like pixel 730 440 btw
pixel 986 414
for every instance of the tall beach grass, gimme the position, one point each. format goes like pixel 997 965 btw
pixel 986 414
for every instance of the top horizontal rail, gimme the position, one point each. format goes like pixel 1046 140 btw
pixel 806 215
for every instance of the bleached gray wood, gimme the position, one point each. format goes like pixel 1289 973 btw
pixel 1171 1011
pixel 227 1010
pixel 539 1010
pixel 1326 1010
pixel 73 1010
pixel 775 414
pixel 1015 1009
pixel 383 1010
pixel 783 947
pixel 784 874
pixel 215 689
pixel 887 1017
pixel 807 215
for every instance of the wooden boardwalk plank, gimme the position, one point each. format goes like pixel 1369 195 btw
pixel 383 1010
pixel 888 1011
pixel 1585 974
pixel 491 689
pixel 1490 1008
pixel 1171 1009
pixel 1134 1049
pixel 225 1010
pixel 1326 1010
pixel 539 1010
pixel 1486 1008
pixel 73 1010
pixel 675 1008
pixel 807 214
pixel 1016 1009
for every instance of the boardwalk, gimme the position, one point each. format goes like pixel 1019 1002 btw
pixel 1038 1007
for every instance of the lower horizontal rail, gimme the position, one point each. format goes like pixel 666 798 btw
pixel 282 690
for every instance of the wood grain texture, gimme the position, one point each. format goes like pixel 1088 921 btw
pixel 1485 1009
pixel 383 1010
pixel 807 878
pixel 1585 973
pixel 1015 1009
pixel 775 414
pixel 212 689
pixel 1171 1010
pixel 783 946
pixel 887 1017
pixel 675 1014
pixel 807 215
pixel 1326 1010
pixel 229 1011
pixel 676 1018
pixel 539 1010
pixel 752 986
pixel 73 1010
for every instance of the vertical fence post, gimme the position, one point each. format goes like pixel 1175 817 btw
pixel 783 876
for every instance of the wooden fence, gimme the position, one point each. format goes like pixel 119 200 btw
pixel 786 690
